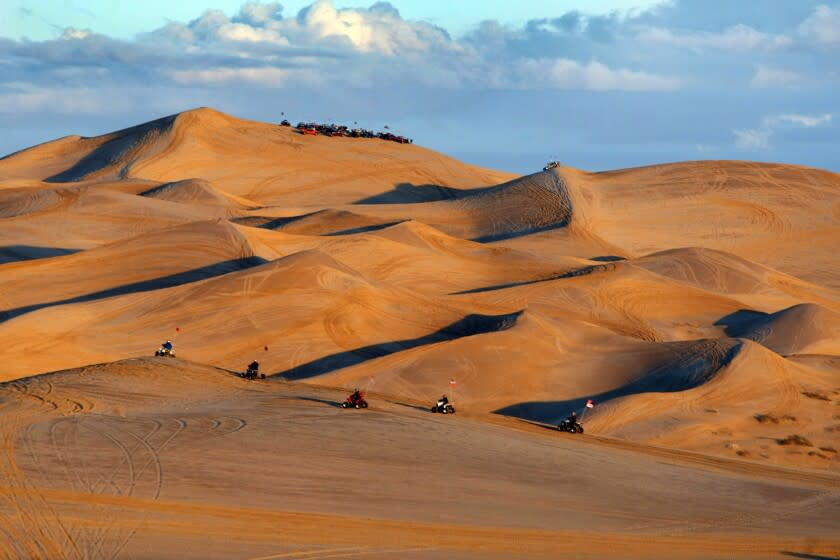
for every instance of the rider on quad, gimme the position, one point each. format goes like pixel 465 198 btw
pixel 165 349
pixel 443 406
pixel 572 418
pixel 253 370
pixel 356 396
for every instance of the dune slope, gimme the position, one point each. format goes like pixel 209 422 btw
pixel 697 304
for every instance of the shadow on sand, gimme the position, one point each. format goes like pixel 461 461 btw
pixel 112 151
pixel 270 223
pixel 468 326
pixel 409 193
pixel 328 402
pixel 695 364
pixel 570 274
pixel 15 253
pixel 186 277
pixel 363 229
pixel 412 406
pixel 741 321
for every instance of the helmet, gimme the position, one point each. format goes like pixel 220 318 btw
pixel 356 390
pixel 169 341
pixel 574 414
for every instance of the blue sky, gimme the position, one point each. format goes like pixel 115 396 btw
pixel 599 84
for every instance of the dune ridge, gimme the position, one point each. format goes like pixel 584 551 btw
pixel 697 304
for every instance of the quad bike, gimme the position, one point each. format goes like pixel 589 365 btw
pixel 284 122
pixel 357 402
pixel 165 352
pixel 252 374
pixel 570 426
pixel 443 408
pixel 551 165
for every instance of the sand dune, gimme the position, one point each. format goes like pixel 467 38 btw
pixel 112 156
pixel 697 304
pixel 142 457
pixel 46 159
pixel 196 191
pixel 320 222
pixel 802 329
pixel 21 202
pixel 725 273
pixel 143 263
pixel 761 211
pixel 525 205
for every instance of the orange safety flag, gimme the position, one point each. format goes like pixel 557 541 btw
pixel 589 404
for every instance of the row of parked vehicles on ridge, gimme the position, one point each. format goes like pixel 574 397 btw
pixel 313 129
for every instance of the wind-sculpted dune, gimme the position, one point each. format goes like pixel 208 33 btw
pixel 805 328
pixel 688 313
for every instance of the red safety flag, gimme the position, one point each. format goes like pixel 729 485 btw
pixel 177 329
pixel 589 404
pixel 452 383
pixel 266 348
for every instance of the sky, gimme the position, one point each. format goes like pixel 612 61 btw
pixel 596 84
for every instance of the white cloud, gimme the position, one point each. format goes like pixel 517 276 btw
pixel 760 138
pixel 823 26
pixel 807 121
pixel 752 139
pixel 768 76
pixel 268 76
pixel 259 14
pixel 569 74
pixel 384 47
pixel 736 38
pixel 245 33
pixel 71 33
pixel 379 29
